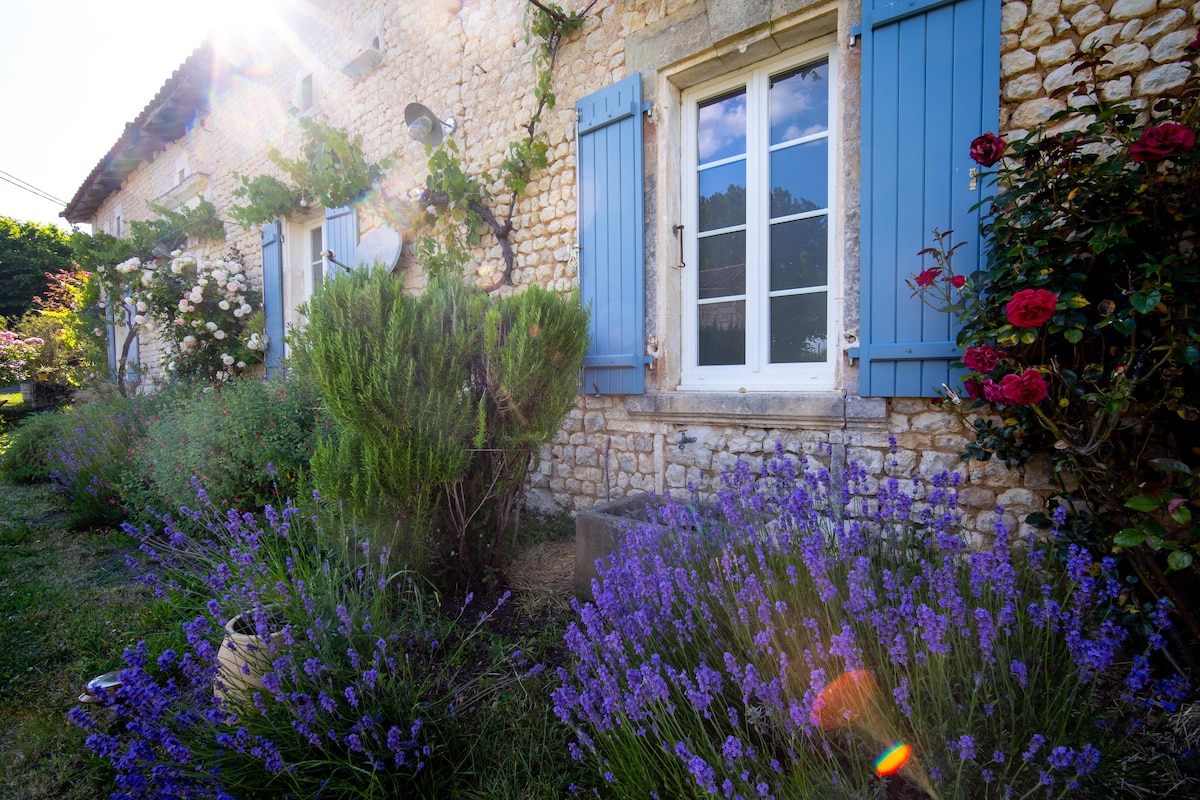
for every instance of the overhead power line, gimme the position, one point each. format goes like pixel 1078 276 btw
pixel 8 177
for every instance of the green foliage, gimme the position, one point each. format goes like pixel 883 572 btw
pixel 1094 231
pixel 29 254
pixel 330 172
pixel 462 200
pixel 247 442
pixel 91 455
pixel 173 230
pixel 267 199
pixel 440 400
pixel 26 455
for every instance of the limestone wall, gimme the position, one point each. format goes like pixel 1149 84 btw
pixel 1042 39
pixel 469 59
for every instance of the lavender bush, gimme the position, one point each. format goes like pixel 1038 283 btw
pixel 776 648
pixel 369 693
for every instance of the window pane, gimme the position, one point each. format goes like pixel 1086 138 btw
pixel 723 196
pixel 723 333
pixel 798 328
pixel 800 102
pixel 723 265
pixel 799 178
pixel 799 252
pixel 315 247
pixel 721 132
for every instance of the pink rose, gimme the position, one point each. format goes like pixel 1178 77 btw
pixel 987 149
pixel 993 392
pixel 1025 389
pixel 1030 308
pixel 973 388
pixel 1162 141
pixel 958 281
pixel 981 359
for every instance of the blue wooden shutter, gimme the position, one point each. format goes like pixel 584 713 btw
pixel 611 251
pixel 341 237
pixel 931 84
pixel 272 252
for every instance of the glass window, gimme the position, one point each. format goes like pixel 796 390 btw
pixel 757 197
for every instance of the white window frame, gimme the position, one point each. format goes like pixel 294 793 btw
pixel 756 374
pixel 298 266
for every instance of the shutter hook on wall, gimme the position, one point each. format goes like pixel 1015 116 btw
pixel 679 232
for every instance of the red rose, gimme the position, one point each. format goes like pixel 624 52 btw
pixel 987 149
pixel 1161 141
pixel 1029 308
pixel 973 388
pixel 1025 389
pixel 1195 45
pixel 927 277
pixel 982 359
pixel 958 281
pixel 993 392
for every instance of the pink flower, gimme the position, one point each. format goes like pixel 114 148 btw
pixel 1030 308
pixel 1025 389
pixel 927 277
pixel 992 392
pixel 987 149
pixel 982 359
pixel 958 281
pixel 973 388
pixel 1162 141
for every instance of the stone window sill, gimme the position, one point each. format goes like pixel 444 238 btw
pixel 816 410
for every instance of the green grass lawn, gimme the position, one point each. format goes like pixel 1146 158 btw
pixel 68 608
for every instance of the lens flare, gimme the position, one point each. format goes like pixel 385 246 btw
pixel 845 700
pixel 893 759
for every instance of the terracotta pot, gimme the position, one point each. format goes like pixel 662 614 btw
pixel 244 657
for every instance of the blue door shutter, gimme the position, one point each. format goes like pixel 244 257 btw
pixel 931 84
pixel 341 237
pixel 611 251
pixel 272 252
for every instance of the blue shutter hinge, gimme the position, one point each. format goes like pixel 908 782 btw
pixel 852 353
pixel 855 32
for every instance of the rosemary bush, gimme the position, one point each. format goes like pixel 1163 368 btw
pixel 779 646
pixel 439 401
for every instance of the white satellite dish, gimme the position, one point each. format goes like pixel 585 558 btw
pixel 380 246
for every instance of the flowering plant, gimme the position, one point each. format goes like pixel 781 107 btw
pixel 369 687
pixel 203 311
pixel 1080 329
pixel 724 656
pixel 18 356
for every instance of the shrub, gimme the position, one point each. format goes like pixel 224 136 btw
pixel 370 691
pixel 440 400
pixel 26 455
pixel 92 454
pixel 1080 333
pixel 248 442
pixel 777 648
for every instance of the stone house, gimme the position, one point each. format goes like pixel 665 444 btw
pixel 738 188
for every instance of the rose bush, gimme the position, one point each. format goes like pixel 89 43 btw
pixel 1080 329
pixel 204 311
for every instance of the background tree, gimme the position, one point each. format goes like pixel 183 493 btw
pixel 29 253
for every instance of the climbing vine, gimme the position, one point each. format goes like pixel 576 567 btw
pixel 461 204
pixel 330 172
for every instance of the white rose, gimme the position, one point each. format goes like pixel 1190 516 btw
pixel 237 312
pixel 241 365
pixel 202 282
pixel 246 308
pixel 227 359
pixel 142 307
pixel 138 319
pixel 218 334
pixel 233 286
pixel 223 305
pixel 212 326
pixel 176 267
pixel 195 323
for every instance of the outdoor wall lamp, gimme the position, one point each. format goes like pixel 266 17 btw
pixel 424 126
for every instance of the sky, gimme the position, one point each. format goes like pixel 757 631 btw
pixel 72 73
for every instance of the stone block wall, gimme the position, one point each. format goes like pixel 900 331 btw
pixel 469 59
pixel 1147 41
